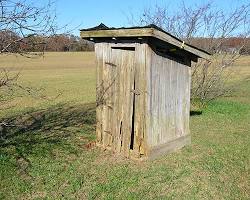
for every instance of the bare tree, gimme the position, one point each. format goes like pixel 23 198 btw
pixel 211 29
pixel 20 21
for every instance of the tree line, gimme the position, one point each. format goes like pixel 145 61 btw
pixel 39 43
pixel 69 42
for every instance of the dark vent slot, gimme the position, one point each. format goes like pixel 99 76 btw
pixel 124 48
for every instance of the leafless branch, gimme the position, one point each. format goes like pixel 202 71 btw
pixel 224 34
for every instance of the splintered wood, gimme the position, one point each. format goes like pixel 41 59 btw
pixel 117 128
pixel 142 100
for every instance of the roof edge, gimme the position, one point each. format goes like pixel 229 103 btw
pixel 140 31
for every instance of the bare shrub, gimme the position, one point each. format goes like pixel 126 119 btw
pixel 21 22
pixel 211 29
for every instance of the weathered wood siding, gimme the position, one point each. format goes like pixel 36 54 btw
pixel 121 86
pixel 168 101
pixel 141 68
pixel 142 100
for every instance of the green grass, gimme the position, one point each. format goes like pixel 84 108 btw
pixel 60 77
pixel 50 155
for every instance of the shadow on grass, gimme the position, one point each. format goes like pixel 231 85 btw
pixel 39 132
pixel 195 112
pixel 51 125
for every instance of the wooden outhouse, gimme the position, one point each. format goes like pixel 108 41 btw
pixel 143 89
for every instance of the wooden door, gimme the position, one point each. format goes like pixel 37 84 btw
pixel 119 85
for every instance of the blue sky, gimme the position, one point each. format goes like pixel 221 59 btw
pixel 89 13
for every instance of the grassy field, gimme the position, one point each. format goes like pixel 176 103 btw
pixel 49 155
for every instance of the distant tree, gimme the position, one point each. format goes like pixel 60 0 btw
pixel 211 29
pixel 67 42
pixel 5 37
pixel 22 20
pixel 245 50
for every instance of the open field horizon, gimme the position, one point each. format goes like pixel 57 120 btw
pixel 50 155
pixel 58 77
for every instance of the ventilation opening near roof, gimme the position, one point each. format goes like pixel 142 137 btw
pixel 124 48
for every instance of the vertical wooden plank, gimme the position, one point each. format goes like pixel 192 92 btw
pixel 106 95
pixel 121 99
pixel 140 99
pixel 132 97
pixel 119 102
pixel 125 106
pixel 99 88
pixel 172 91
pixel 114 93
pixel 164 118
pixel 144 149
pixel 151 99
pixel 188 75
pixel 180 105
pixel 111 103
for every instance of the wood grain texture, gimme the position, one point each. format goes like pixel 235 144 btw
pixel 169 147
pixel 142 100
pixel 115 81
pixel 168 100
pixel 144 32
pixel 99 89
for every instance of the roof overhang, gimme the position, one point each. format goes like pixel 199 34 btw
pixel 138 32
